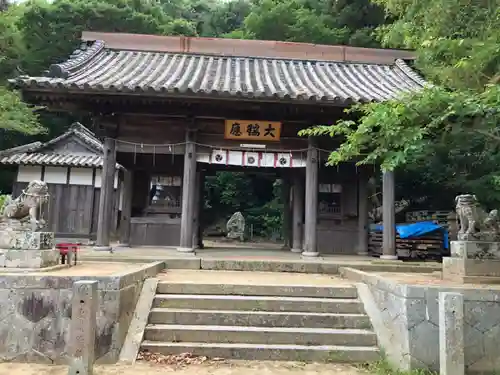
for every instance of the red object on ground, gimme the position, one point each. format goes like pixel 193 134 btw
pixel 64 248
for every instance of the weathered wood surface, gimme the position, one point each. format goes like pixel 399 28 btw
pixel 430 246
pixel 154 234
pixel 72 209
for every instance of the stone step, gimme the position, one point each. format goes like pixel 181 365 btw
pixel 346 354
pixel 259 335
pixel 341 291
pixel 258 303
pixel 258 318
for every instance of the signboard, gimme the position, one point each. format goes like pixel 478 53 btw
pixel 253 130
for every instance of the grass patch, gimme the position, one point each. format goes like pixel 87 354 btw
pixel 383 367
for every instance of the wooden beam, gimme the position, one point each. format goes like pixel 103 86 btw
pixel 188 193
pixel 362 211
pixel 126 208
pixel 298 211
pixel 106 197
pixel 186 107
pixel 287 220
pixel 388 217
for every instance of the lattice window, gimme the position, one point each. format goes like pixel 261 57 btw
pixel 165 192
pixel 329 199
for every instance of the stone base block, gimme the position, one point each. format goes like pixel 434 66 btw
pixel 25 240
pixel 13 258
pixel 475 249
pixel 470 270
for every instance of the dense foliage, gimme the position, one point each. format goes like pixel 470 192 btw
pixel 447 134
pixel 15 115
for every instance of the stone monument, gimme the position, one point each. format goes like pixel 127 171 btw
pixel 475 255
pixel 23 244
pixel 236 226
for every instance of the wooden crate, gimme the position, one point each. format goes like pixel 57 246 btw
pixel 430 246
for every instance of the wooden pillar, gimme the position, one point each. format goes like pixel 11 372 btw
pixel 197 211
pixel 104 226
pixel 126 208
pixel 311 202
pixel 285 194
pixel 188 193
pixel 298 212
pixel 363 226
pixel 388 217
pixel 201 206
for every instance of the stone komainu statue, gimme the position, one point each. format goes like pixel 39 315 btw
pixel 236 226
pixel 15 213
pixel 473 222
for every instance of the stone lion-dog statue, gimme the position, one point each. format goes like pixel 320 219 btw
pixel 15 213
pixel 473 221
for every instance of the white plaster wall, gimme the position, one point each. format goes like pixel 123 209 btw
pixel 98 179
pixel 120 204
pixel 80 176
pixel 56 175
pixel 98 175
pixel 28 173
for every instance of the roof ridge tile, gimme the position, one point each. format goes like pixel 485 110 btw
pixel 76 60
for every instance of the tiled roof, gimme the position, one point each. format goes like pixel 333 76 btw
pixel 39 153
pixel 80 132
pixel 37 158
pixel 96 68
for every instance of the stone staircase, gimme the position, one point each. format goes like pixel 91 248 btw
pixel 263 322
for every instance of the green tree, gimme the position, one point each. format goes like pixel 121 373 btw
pixel 225 18
pixel 315 21
pixel 52 30
pixel 452 126
pixel 15 115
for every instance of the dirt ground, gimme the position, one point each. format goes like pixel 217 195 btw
pixel 223 368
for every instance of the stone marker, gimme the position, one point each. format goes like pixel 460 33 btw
pixel 451 334
pixel 236 227
pixel 83 328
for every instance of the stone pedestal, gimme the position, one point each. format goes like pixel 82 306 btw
pixel 24 249
pixel 473 262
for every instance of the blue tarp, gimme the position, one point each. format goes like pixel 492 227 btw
pixel 417 230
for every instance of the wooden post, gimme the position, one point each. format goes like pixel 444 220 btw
pixel 201 206
pixel 311 202
pixel 106 197
pixel 126 208
pixel 285 194
pixel 298 212
pixel 188 194
pixel 196 225
pixel 388 217
pixel 362 212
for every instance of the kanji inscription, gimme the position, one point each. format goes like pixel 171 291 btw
pixel 253 130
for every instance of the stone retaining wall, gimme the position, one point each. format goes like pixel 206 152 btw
pixel 35 312
pixel 406 320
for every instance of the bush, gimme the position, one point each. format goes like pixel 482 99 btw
pixel 3 198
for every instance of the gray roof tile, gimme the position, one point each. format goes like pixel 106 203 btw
pixel 97 68
pixel 39 153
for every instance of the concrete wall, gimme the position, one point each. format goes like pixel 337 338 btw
pixel 406 320
pixel 35 313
